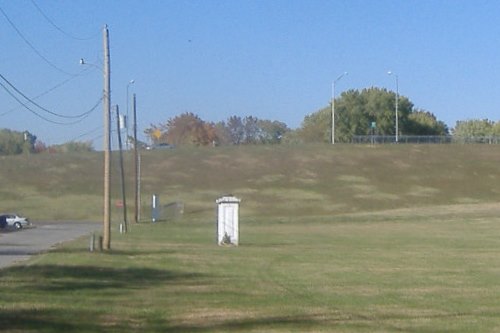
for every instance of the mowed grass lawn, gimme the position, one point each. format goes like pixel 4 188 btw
pixel 436 270
pixel 389 238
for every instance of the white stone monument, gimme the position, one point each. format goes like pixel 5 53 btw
pixel 227 220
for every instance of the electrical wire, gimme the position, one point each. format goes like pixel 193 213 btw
pixel 59 28
pixel 33 48
pixel 38 105
pixel 47 119
pixel 87 133
pixel 53 88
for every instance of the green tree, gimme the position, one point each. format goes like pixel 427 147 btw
pixel 236 130
pixel 495 131
pixel 251 129
pixel 72 146
pixel 421 122
pixel 272 132
pixel 473 128
pixel 222 133
pixel 355 111
pixel 14 142
pixel 316 127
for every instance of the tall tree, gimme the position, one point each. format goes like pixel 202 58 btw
pixel 316 127
pixel 421 122
pixel 251 129
pixel 272 132
pixel 236 130
pixel 473 128
pixel 185 129
pixel 189 129
pixel 14 142
pixel 356 111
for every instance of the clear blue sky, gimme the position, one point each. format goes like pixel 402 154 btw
pixel 271 59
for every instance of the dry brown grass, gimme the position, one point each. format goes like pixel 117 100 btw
pixel 278 180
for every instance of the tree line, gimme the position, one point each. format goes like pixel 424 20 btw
pixel 368 111
pixel 24 142
pixel 190 129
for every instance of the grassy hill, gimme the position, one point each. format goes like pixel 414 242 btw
pixel 284 182
pixel 393 238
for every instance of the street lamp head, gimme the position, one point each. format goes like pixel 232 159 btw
pixel 131 81
pixel 389 72
pixel 340 76
pixel 82 61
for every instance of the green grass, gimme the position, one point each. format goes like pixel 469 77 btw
pixel 390 238
pixel 428 272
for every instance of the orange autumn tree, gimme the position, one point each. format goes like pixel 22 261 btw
pixel 185 129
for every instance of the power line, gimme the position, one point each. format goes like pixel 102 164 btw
pixel 51 64
pixel 87 133
pixel 44 118
pixel 38 105
pixel 32 111
pixel 52 88
pixel 59 28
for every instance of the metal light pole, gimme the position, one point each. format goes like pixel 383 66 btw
pixel 128 121
pixel 397 102
pixel 333 105
pixel 107 142
pixel 137 165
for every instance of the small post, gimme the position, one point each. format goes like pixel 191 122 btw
pixel 92 242
pixel 155 208
pixel 123 229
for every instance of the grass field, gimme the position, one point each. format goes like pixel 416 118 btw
pixel 351 239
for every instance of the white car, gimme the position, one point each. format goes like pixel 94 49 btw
pixel 13 220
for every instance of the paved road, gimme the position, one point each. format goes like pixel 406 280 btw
pixel 20 245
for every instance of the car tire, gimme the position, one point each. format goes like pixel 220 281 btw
pixel 18 225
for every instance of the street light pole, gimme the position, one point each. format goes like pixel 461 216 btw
pixel 107 142
pixel 137 164
pixel 333 105
pixel 128 121
pixel 397 102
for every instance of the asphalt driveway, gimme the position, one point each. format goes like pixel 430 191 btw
pixel 21 244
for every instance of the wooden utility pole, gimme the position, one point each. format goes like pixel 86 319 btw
pixel 122 170
pixel 136 163
pixel 106 243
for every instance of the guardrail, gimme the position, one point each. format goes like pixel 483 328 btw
pixel 424 139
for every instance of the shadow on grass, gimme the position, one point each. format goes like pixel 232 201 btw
pixel 263 324
pixel 70 321
pixel 47 321
pixel 328 322
pixel 55 283
pixel 62 278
